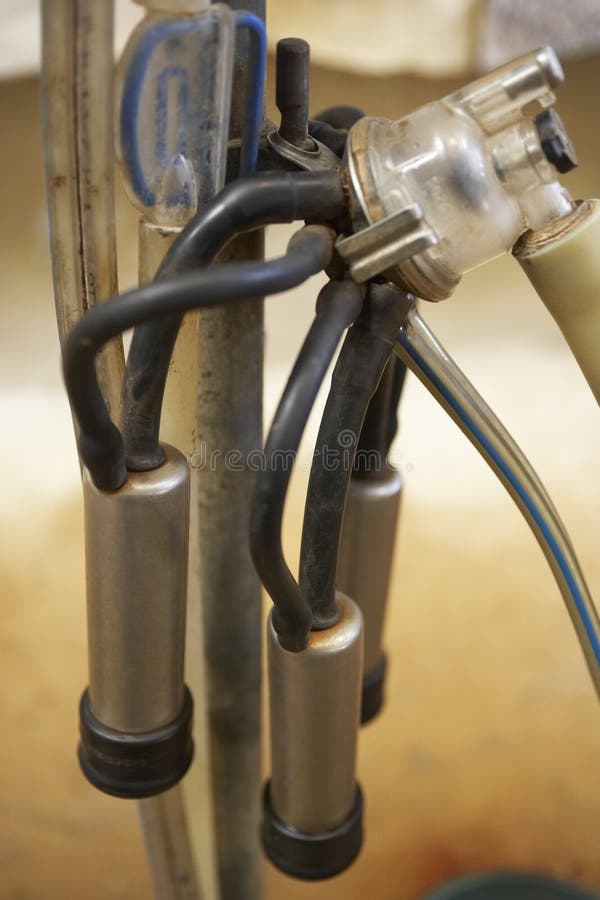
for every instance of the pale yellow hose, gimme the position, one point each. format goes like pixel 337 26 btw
pixel 562 262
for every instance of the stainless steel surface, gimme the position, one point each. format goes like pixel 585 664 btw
pixel 308 160
pixel 229 428
pixel 367 552
pixel 178 825
pixel 382 245
pixel 136 552
pixel 166 836
pixel 77 100
pixel 315 710
pixel 77 75
pixel 230 421
pixel 429 353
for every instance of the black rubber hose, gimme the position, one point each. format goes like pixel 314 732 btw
pixel 341 116
pixel 331 126
pixel 381 423
pixel 100 442
pixel 334 138
pixel 361 362
pixel 398 381
pixel 338 305
pixel 269 198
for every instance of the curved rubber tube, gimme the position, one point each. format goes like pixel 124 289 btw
pixel 246 204
pixel 100 442
pixel 362 360
pixel 338 305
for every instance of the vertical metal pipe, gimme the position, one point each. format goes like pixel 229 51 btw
pixel 166 831
pixel 229 427
pixel 77 105
pixel 364 566
pixel 315 697
pixel 177 825
pixel 136 555
pixel 77 100
pixel 369 530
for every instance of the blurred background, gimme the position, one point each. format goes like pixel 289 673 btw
pixel 487 753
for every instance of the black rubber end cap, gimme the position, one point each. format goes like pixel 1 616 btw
pixel 556 143
pixel 311 857
pixel 373 692
pixel 134 766
pixel 510 886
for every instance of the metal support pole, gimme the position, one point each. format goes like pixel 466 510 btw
pixel 177 825
pixel 229 427
pixel 77 94
pixel 77 103
pixel 78 107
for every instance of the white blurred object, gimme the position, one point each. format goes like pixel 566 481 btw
pixel 509 27
pixel 423 36
pixel 20 33
pixel 434 37
pixel 19 37
pixel 429 37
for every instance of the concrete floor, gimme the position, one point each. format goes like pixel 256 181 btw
pixel 487 753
